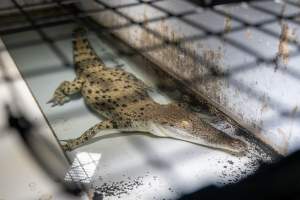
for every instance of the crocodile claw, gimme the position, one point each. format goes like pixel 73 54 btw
pixel 68 145
pixel 58 100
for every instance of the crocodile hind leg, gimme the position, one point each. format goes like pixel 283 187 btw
pixel 88 134
pixel 64 90
pixel 104 128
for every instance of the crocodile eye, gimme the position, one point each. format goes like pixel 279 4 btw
pixel 186 124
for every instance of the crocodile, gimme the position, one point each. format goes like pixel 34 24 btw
pixel 125 105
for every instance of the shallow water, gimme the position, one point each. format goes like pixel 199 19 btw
pixel 132 166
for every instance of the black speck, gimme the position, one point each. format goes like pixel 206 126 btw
pixel 230 162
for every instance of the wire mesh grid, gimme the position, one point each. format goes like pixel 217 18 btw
pixel 83 167
pixel 70 14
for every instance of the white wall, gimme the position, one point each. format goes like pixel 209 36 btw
pixel 258 94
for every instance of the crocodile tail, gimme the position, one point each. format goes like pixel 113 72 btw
pixel 83 52
pixel 80 32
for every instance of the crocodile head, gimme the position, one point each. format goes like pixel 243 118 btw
pixel 179 124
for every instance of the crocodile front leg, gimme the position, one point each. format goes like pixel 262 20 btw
pixel 65 90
